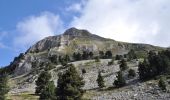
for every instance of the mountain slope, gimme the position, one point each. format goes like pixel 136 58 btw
pixel 73 40
pixel 26 67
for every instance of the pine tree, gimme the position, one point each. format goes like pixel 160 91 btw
pixel 77 56
pixel 101 54
pixel 111 62
pixel 131 73
pixel 4 89
pixel 120 80
pixel 145 71
pixel 100 80
pixel 42 82
pixel 162 84
pixel 69 86
pixel 97 59
pixel 123 65
pixel 67 58
pixel 90 55
pixel 108 54
pixel 85 55
pixel 131 55
pixel 49 92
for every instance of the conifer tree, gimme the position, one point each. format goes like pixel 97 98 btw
pixel 108 54
pixel 42 82
pixel 120 80
pixel 162 84
pixel 100 80
pixel 69 86
pixel 101 54
pixel 4 89
pixel 123 65
pixel 49 92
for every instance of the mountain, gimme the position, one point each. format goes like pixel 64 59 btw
pixel 72 40
pixel 26 67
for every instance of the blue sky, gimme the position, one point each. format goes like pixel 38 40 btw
pixel 15 11
pixel 24 22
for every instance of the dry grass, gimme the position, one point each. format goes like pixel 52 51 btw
pixel 22 96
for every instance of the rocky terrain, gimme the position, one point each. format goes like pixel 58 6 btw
pixel 25 68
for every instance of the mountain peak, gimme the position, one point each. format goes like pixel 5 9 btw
pixel 77 32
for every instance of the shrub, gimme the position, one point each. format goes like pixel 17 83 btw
pixel 83 71
pixel 131 73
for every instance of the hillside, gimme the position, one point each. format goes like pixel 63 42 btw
pixel 25 68
pixel 73 40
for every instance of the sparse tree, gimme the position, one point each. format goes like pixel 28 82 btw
pixel 123 64
pixel 100 80
pixel 101 54
pixel 131 55
pixel 85 55
pixel 120 82
pixel 131 73
pixel 70 85
pixel 53 59
pixel 97 59
pixel 162 84
pixel 4 89
pixel 111 62
pixel 67 58
pixel 118 57
pixel 77 56
pixel 91 55
pixel 42 82
pixel 108 54
pixel 83 71
pixel 49 92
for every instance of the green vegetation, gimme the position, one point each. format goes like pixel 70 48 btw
pixel 49 92
pixel 162 84
pixel 131 73
pixel 100 80
pixel 111 62
pixel 118 57
pixel 4 89
pixel 101 54
pixel 156 64
pixel 69 85
pixel 97 59
pixel 131 55
pixel 123 65
pixel 83 71
pixel 108 54
pixel 120 82
pixel 45 88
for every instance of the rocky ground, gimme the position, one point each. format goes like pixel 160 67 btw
pixel 135 90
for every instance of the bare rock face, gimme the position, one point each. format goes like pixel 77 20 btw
pixel 24 66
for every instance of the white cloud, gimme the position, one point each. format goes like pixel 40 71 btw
pixel 145 21
pixel 75 7
pixel 35 28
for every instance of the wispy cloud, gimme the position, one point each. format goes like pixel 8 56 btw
pixel 2 46
pixel 144 21
pixel 35 28
pixel 77 7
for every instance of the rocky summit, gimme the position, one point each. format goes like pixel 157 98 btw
pixel 25 68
